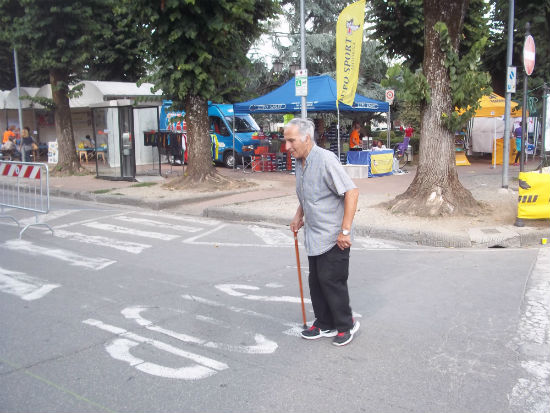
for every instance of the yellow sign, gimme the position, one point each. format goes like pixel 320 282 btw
pixel 349 38
pixel 381 163
pixel 534 195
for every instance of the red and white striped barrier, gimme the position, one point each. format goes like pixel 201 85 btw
pixel 21 171
pixel 25 186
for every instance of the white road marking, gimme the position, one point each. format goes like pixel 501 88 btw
pixel 531 393
pixel 120 350
pixel 157 224
pixel 294 329
pixel 84 221
pixel 204 234
pixel 131 231
pixel 231 289
pixel 191 220
pixel 233 244
pixel 24 286
pixel 272 236
pixel 50 216
pixel 64 255
pixel 211 320
pixel 262 346
pixel 127 246
pixel 373 243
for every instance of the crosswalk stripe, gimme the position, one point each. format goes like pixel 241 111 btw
pixel 191 220
pixel 130 231
pixel 24 286
pixel 157 224
pixel 127 246
pixel 50 216
pixel 271 236
pixel 64 255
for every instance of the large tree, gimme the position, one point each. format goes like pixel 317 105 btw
pixel 444 82
pixel 68 41
pixel 57 36
pixel 196 49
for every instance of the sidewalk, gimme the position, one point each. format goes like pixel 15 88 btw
pixel 272 198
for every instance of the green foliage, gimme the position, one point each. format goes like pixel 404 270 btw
pixel 399 27
pixel 412 93
pixel 121 55
pixel 95 39
pixel 197 48
pixel 468 84
pixel 57 35
pixel 537 13
pixel 28 74
pixel 47 103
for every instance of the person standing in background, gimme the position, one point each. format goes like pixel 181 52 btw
pixel 26 144
pixel 518 133
pixel 8 134
pixel 355 143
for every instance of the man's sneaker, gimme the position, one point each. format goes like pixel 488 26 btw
pixel 345 337
pixel 314 333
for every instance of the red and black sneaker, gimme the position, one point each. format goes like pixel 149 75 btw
pixel 314 333
pixel 345 337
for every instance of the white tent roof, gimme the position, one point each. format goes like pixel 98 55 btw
pixel 95 92
pixel 10 97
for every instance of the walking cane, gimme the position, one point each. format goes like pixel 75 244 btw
pixel 300 277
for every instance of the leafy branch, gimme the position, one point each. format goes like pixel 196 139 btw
pixel 468 84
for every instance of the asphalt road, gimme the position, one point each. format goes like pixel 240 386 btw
pixel 130 310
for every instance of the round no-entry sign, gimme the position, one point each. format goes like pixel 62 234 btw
pixel 529 55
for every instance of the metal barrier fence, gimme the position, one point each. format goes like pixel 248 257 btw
pixel 25 186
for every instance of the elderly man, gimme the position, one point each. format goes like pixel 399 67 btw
pixel 328 200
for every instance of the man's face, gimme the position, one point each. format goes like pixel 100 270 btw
pixel 294 144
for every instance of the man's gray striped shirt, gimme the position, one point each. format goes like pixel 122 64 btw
pixel 321 185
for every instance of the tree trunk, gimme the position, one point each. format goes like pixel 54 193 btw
pixel 199 153
pixel 436 190
pixel 68 161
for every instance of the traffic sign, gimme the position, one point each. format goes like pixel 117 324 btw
pixel 390 95
pixel 529 55
pixel 511 79
pixel 300 80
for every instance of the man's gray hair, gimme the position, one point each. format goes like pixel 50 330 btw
pixel 305 127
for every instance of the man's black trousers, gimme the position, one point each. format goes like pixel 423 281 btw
pixel 328 286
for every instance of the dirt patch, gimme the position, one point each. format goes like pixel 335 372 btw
pixel 212 183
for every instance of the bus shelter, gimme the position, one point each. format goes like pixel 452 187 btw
pixel 118 148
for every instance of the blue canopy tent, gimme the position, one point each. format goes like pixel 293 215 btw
pixel 321 98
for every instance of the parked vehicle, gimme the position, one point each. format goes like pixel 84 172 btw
pixel 233 135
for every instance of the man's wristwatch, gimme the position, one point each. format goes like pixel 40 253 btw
pixel 345 231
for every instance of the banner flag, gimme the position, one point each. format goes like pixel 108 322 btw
pixel 349 39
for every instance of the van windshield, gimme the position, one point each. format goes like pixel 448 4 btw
pixel 243 123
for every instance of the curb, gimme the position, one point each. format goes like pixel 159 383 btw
pixel 520 238
pixel 155 205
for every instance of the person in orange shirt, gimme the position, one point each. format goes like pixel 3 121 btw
pixel 8 133
pixel 355 143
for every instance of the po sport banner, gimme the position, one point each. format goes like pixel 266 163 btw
pixel 349 39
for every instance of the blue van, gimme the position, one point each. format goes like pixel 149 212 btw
pixel 244 135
